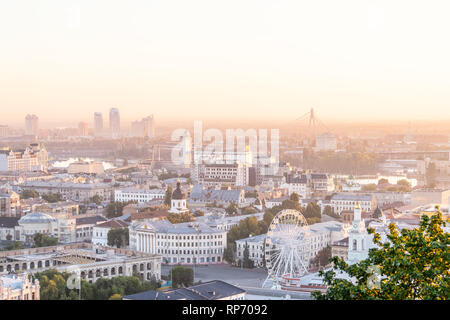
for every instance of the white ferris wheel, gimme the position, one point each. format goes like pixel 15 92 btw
pixel 287 248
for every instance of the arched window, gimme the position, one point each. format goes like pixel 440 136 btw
pixel 354 244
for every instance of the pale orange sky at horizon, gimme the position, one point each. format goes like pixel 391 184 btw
pixel 205 59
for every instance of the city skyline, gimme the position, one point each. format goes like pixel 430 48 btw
pixel 175 61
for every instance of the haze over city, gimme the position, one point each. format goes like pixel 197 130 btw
pixel 255 60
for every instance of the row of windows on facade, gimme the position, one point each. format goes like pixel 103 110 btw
pixel 142 196
pixel 208 251
pixel 314 239
pixel 342 202
pixel 196 237
pixel 190 244
pixel 193 260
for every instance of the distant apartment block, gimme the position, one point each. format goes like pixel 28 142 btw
pixel 143 128
pixel 114 122
pixel 31 125
pixel 98 123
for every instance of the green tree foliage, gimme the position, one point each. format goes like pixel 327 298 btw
pixel 313 220
pixel 180 217
pixel 26 194
pixel 228 253
pixel 294 197
pixel 168 196
pixel 199 213
pixel 182 276
pixel 118 237
pixel 312 211
pixel 16 245
pixel 54 287
pixel 115 209
pixel 328 210
pixel 322 258
pixel 169 175
pixel 52 197
pixel 96 199
pixel 246 262
pixel 231 209
pixel 248 210
pixel 369 187
pixel 43 240
pixel 251 194
pixel 413 264
pixel 383 181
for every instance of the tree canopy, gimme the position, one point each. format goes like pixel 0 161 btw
pixel 413 264
pixel 43 240
pixel 182 276
pixel 54 287
pixel 118 237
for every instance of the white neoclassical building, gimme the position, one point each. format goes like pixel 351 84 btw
pixel 184 243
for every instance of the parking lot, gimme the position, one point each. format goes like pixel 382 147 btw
pixel 234 275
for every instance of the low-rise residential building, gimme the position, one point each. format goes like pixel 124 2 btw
pixel 201 197
pixel 340 249
pixel 100 231
pixel 299 185
pixel 85 227
pixel 9 228
pixel 255 249
pixel 321 183
pixel 65 207
pixel 138 195
pixel 9 204
pixel 347 201
pixel 70 190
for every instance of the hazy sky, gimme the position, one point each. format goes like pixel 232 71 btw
pixel 198 59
